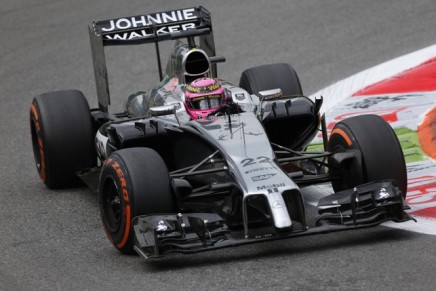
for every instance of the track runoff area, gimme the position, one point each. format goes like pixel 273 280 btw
pixel 403 92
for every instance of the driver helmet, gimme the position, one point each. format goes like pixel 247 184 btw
pixel 203 96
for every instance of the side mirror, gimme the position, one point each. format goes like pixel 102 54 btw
pixel 270 94
pixel 162 110
pixel 217 59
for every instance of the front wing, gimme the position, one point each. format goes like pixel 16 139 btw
pixel 363 206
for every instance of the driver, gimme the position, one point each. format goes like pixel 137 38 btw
pixel 203 96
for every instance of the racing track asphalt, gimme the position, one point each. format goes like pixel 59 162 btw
pixel 53 240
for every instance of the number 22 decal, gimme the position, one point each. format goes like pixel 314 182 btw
pixel 258 160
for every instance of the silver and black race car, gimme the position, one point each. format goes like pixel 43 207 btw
pixel 169 180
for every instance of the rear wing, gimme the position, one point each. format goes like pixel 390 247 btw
pixel 143 29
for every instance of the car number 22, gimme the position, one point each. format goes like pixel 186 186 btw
pixel 250 161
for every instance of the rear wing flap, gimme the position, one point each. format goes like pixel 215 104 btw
pixel 143 29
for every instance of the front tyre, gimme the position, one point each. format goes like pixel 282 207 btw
pixel 62 137
pixel 379 150
pixel 133 182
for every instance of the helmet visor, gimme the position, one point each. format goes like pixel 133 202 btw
pixel 205 102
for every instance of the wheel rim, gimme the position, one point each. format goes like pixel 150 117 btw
pixel 112 208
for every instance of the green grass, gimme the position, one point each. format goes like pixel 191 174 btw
pixel 408 140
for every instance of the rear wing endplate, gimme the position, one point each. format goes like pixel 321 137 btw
pixel 142 29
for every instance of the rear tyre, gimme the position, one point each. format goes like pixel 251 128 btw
pixel 133 182
pixel 62 137
pixel 271 76
pixel 381 154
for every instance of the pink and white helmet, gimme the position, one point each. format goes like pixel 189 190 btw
pixel 203 96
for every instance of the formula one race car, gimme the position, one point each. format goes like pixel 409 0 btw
pixel 196 163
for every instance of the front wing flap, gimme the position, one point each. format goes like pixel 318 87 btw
pixel 363 206
pixel 367 203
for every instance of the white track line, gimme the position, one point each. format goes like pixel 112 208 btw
pixel 346 88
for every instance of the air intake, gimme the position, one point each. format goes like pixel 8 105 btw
pixel 196 64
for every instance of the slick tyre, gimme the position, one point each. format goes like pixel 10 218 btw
pixel 271 76
pixel 133 182
pixel 62 137
pixel 380 157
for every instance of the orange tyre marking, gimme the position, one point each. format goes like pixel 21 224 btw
pixel 343 135
pixel 35 113
pixel 42 174
pixel 123 242
pixel 36 117
pixel 427 133
pixel 125 197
